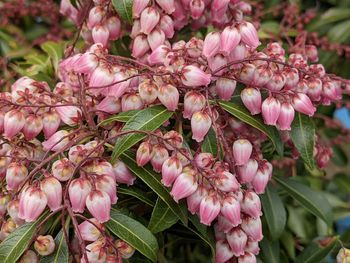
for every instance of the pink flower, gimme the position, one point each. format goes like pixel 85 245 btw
pixel 231 209
pixel 149 19
pixel 158 55
pixel 225 88
pixel 286 117
pixel 276 82
pixel 13 123
pixel 132 102
pixel 223 252
pixel 169 96
pixel 303 104
pixel 70 115
pixel 87 63
pixel 200 125
pixel 16 173
pixel 62 169
pixel 31 204
pixel 229 39
pixel 109 104
pixel 88 231
pixel 102 76
pixel 138 6
pixel 100 34
pixel 107 184
pixel 242 150
pixel 156 38
pixel 252 100
pixel 114 27
pixel 78 191
pixel 96 16
pixel 167 5
pixel 247 171
pixel 204 160
pixel 167 26
pixel 32 127
pixel 219 4
pixel 252 227
pixel 247 258
pixel 197 8
pixel 193 102
pixel 123 174
pixel 260 181
pixel 249 35
pixel 195 199
pixel 193 76
pixel 53 191
pixel 209 209
pixel 227 182
pixel 211 44
pixel 57 141
pixel 140 46
pixel 143 154
pixel 251 204
pixel 252 247
pixel 99 205
pixel 51 122
pixel 271 109
pixel 237 240
pixel 184 185
pixel 159 155
pixel 171 169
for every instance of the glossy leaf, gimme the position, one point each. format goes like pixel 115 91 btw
pixel 124 9
pixel 239 111
pixel 134 233
pixel 274 212
pixel 61 254
pixel 162 217
pixel 303 137
pixel 137 193
pixel 148 119
pixel 124 116
pixel 311 200
pixel 17 242
pixel 151 178
pixel 317 251
pixel 270 250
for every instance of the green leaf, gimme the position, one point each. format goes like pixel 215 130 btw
pixel 342 181
pixel 330 16
pixel 340 33
pixel 162 217
pixel 61 254
pixel 303 137
pixel 134 233
pixel 339 156
pixel 311 200
pixel 18 241
pixel 124 9
pixel 135 192
pixel 210 143
pixel 288 242
pixel 239 111
pixel 270 250
pixel 151 178
pixel 124 116
pixel 317 251
pixel 274 212
pixel 55 52
pixel 145 120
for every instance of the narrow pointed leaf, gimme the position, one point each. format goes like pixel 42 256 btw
pixel 210 144
pixel 274 212
pixel 145 120
pixel 270 250
pixel 151 178
pixel 137 193
pixel 134 233
pixel 239 111
pixel 162 217
pixel 124 9
pixel 55 52
pixel 311 200
pixel 124 116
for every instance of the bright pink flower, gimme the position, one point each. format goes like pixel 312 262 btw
pixel 200 125
pixel 251 204
pixel 262 75
pixel 70 115
pixel 102 76
pixel 100 34
pixel 123 174
pixel 193 102
pixel 171 169
pixel 219 4
pixel 88 231
pixel 62 169
pixel 276 83
pixel 109 104
pixel 156 38
pixel 31 204
pixel 247 73
pixel 96 16
pixel 138 6
pixel 53 191
pixel 159 155
pixel 195 199
pixel 107 184
pixel 227 182
pixel 78 191
pixel 144 153
pixel 184 185
pixel 169 96
pixel 167 5
pixel 260 181
pixel 231 209
pixel 167 26
pixel 209 209
pixel 286 116
pixel 217 64
pixel 16 173
pixel 51 122
pixel 193 76
pixel 252 247
pixel 14 121
pixel 225 88
pixel 197 8
pixel 223 252
pixel 271 109
pixel 87 63
pixel 99 205
pixel 211 44
pixel 149 19
pixel 237 240
pixel 303 104
pixel 120 86
pixel 32 127
pixel 242 150
pixel 238 53
pixel 140 46
pixel 247 258
pixel 252 227
pixel 229 39
pixel 249 35
pixel 247 171
pixel 224 224
pixel 67 9
pixel 158 55
pixel 114 27
pixel 57 141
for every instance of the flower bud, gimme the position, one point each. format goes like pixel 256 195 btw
pixel 184 185
pixel 78 191
pixel 242 150
pixel 32 127
pixel 249 35
pixel 238 53
pixel 204 160
pixel 314 88
pixel 95 252
pixel 171 169
pixel 211 44
pixel 252 247
pixel 237 240
pixel 109 104
pixel 192 76
pixel 209 209
pixel 4 199
pixel 247 258
pixel 229 39
pixel 286 117
pixel 57 141
pixel 223 252
pixel 225 88
pixel 271 109
pixel 149 19
pixel 247 73
pixel 44 245
pixel 51 122
pixel 169 96
pixel 292 78
pixel 88 231
pixel 100 34
pixel 167 26
pixel 107 184
pixel 262 75
pixel 157 57
pixel 62 169
pixel 276 83
pixel 251 204
pixel 195 199
pixel 167 5
pixel 143 154
pixel 53 191
pixel 125 250
pixel 123 174
pixel 260 181
pixel 159 155
pixel 96 16
pixel 148 91
pixel 197 8
pixel 100 77
pixel 99 205
pixel 200 125
pixel 156 38
pixel 7 228
pixel 252 227
pixel 248 171
pixel 193 102
pixel 303 104
pixel 13 210
pixel 140 46
pixel 29 256
pixel 138 6
pixel 114 27
pixel 31 204
pixel 13 123
pixel 343 255
pixel 132 102
pixel 15 175
pixel 70 115
pixel 252 100
pixel 231 209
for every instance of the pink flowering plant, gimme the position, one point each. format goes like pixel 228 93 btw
pixel 171 131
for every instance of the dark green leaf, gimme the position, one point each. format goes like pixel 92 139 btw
pixel 121 117
pixel 274 212
pixel 210 144
pixel 148 119
pixel 317 251
pixel 303 137
pixel 330 16
pixel 241 113
pixel 311 200
pixel 270 250
pixel 17 242
pixel 134 233
pixel 151 178
pixel 61 254
pixel 342 180
pixel 339 157
pixel 288 242
pixel 162 217
pixel 135 192
pixel 340 33
pixel 124 9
